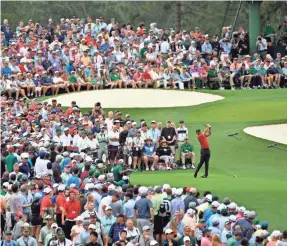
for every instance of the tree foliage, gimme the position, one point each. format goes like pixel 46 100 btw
pixel 207 15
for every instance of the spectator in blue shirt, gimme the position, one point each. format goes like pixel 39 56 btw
pixel 149 153
pixel 225 45
pixel 6 70
pixel 129 206
pixel 206 48
pixel 74 179
pixel 70 66
pixel 105 46
pixel 8 34
pixel 116 228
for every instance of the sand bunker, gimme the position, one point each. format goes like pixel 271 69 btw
pixel 137 98
pixel 276 133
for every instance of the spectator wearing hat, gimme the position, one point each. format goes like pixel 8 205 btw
pixel 18 226
pixel 283 240
pixel 170 238
pixel 116 228
pixel 108 219
pixel 46 203
pixel 143 210
pixel 72 209
pixel 45 230
pixel 164 152
pixel 77 229
pixel 214 228
pixel 62 240
pixel 187 237
pixel 7 239
pixel 226 232
pixel 10 159
pixel 210 211
pixel 26 239
pixel 145 238
pixel 60 203
pixel 246 224
pixel 149 153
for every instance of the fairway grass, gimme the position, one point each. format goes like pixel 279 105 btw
pixel 261 182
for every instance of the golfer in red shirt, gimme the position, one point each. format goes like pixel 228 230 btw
pixel 205 151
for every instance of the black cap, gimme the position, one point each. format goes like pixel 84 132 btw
pixel 181 121
pixel 168 121
pixel 197 130
pixel 205 230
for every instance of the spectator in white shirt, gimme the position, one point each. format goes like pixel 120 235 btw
pixel 110 121
pixel 59 83
pixel 138 143
pixel 113 144
pixel 261 45
pixel 66 138
pixel 164 47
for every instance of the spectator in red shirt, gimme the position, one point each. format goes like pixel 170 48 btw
pixel 72 209
pixel 205 151
pixel 60 203
pixel 46 203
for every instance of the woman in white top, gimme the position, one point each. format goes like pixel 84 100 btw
pixel 138 143
pixel 98 60
pixel 113 144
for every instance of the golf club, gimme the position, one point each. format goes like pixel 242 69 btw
pixel 274 145
pixel 234 135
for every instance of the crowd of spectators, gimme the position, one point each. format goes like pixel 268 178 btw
pixel 56 190
pixel 77 53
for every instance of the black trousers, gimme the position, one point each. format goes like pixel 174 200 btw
pixel 204 159
pixel 68 228
pixel 59 221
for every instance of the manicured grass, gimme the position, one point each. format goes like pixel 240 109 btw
pixel 261 172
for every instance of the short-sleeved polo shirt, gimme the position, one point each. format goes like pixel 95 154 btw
pixel 143 206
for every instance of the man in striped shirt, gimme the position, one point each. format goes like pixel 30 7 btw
pixel 182 133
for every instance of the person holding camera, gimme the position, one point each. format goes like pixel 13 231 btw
pixel 261 45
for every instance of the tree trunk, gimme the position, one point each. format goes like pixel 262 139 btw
pixel 178 16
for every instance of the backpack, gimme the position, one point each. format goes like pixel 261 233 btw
pixel 35 207
pixel 164 209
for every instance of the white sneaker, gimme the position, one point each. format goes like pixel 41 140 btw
pixel 28 94
pixel 192 166
pixel 259 87
pixel 221 88
pixel 183 167
pixel 32 94
pixel 232 88
pixel 147 169
pixel 168 168
pixel 152 168
pixel 243 88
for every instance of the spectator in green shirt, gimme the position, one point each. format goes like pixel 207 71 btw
pixel 255 77
pixel 115 79
pixel 119 170
pixel 212 76
pixel 73 81
pixel 263 73
pixel 10 160
pixel 268 30
pixel 143 51
pixel 187 152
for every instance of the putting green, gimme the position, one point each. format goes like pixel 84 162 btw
pixel 261 172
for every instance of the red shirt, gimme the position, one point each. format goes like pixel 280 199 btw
pixel 46 203
pixel 146 76
pixel 73 209
pixel 60 202
pixel 202 139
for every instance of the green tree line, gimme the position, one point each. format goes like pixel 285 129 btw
pixel 186 15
